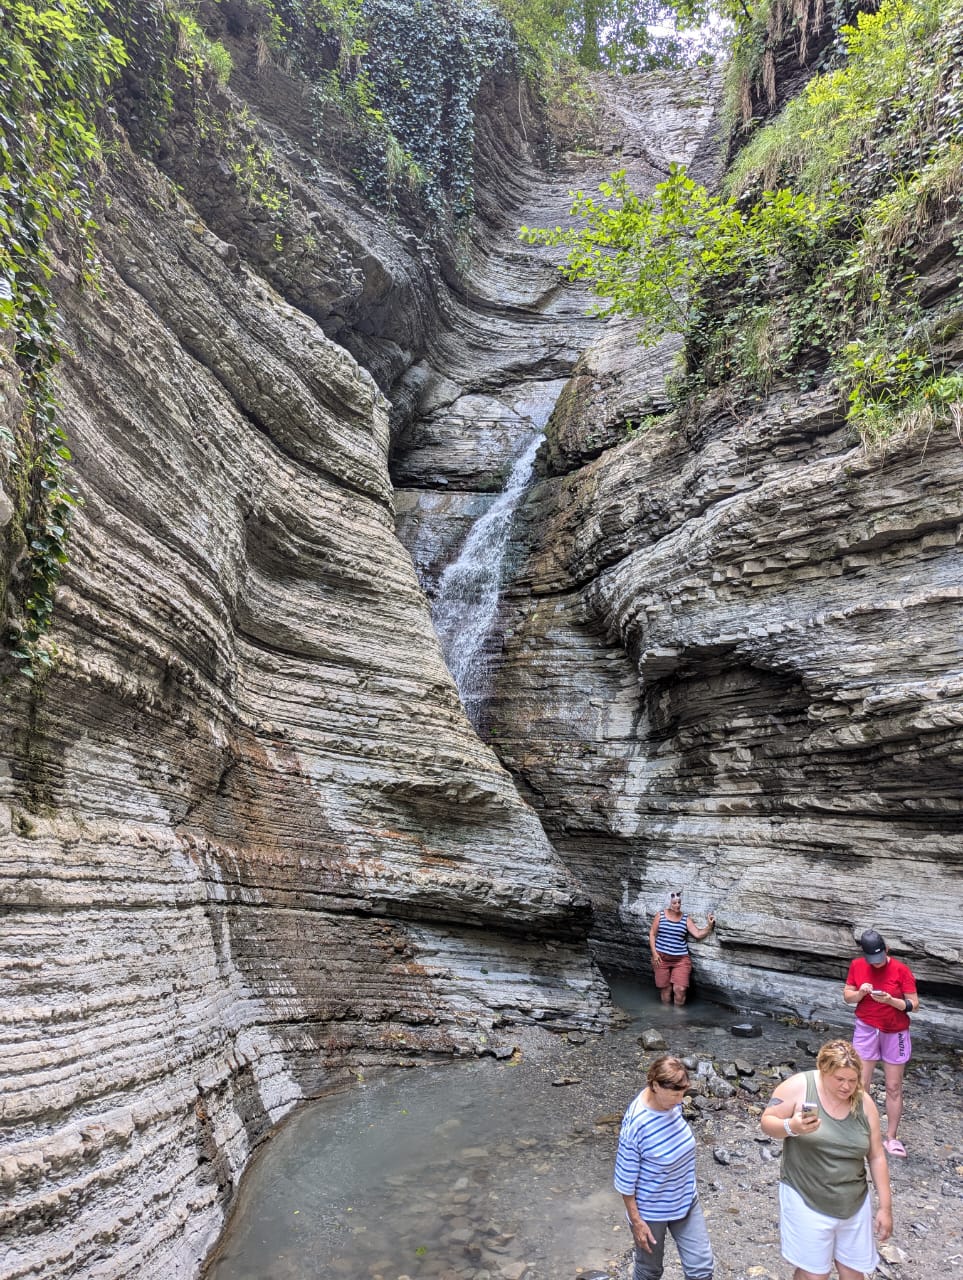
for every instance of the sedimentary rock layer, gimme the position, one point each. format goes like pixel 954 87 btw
pixel 251 845
pixel 733 664
pixel 484 394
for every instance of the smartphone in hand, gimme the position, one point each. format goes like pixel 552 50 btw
pixel 809 1108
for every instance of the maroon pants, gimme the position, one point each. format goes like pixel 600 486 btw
pixel 673 971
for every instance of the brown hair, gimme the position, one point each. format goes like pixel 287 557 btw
pixel 667 1070
pixel 838 1055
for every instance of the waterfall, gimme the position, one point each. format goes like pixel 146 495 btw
pixel 467 599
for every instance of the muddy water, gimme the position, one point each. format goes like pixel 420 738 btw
pixel 485 1171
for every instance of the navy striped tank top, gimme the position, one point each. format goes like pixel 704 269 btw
pixel 671 936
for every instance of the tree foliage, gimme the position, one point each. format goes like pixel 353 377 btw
pixel 614 35
pixel 806 258
pixel 653 257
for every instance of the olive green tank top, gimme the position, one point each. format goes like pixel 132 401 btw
pixel 828 1167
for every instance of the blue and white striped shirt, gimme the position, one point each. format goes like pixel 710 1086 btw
pixel 671 937
pixel 656 1162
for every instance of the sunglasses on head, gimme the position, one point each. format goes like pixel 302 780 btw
pixel 673 1086
pixel 676 895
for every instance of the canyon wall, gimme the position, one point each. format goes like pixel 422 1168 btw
pixel 251 846
pixel 728 656
pixel 732 663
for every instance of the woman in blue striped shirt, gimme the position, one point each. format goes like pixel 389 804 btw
pixel 655 1175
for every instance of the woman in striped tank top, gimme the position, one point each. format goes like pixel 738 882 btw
pixel 669 944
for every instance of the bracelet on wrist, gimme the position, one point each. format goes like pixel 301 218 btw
pixel 788 1127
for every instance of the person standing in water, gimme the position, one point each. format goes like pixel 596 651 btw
pixel 884 992
pixel 669 944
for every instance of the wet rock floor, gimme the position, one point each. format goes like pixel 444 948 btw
pixel 502 1170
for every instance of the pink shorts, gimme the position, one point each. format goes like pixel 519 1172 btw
pixel 673 971
pixel 872 1044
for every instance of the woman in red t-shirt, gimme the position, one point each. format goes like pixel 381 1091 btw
pixel 884 993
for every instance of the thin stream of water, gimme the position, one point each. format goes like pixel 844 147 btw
pixel 466 603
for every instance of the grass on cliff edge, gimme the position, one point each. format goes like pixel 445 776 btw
pixel 805 263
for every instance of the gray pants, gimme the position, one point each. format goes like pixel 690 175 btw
pixel 691 1239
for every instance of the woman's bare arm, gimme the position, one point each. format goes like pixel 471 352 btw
pixel 785 1105
pixel 879 1171
pixel 652 933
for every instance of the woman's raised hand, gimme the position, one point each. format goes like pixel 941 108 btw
pixel 805 1121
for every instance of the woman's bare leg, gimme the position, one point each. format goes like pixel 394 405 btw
pixel 893 1071
pixel 867 1072
pixel 847 1273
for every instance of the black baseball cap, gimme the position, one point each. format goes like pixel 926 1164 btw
pixel 873 945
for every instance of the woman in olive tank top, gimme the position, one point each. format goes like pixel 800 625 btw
pixel 830 1129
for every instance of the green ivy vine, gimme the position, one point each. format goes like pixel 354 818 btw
pixel 404 75
pixel 56 60
pixel 425 61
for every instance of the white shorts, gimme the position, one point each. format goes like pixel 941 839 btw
pixel 812 1240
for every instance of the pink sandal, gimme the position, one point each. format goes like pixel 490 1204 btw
pixel 894 1147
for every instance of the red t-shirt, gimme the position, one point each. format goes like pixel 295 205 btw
pixel 892 977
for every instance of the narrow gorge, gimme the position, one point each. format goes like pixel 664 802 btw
pixel 254 844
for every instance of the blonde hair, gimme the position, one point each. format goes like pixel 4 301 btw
pixel 838 1055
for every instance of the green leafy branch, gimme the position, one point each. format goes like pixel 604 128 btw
pixel 653 257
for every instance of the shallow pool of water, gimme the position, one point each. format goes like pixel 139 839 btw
pixel 480 1171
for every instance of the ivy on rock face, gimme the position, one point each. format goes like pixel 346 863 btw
pixel 404 74
pixel 425 60
pixel 56 59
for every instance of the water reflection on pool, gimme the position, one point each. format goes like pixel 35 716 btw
pixel 479 1171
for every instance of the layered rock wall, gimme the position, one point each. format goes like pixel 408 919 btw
pixel 481 402
pixel 251 846
pixel 733 663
